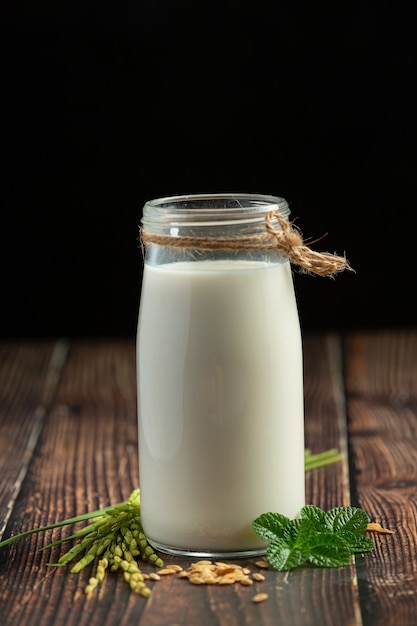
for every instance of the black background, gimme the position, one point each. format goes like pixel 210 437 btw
pixel 105 107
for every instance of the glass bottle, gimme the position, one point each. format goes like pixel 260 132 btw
pixel 219 370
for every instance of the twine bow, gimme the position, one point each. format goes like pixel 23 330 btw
pixel 290 241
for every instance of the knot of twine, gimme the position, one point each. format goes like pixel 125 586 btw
pixel 288 240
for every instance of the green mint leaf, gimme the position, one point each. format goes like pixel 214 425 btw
pixel 329 550
pixel 269 526
pixel 281 556
pixel 346 518
pixel 361 544
pixel 314 514
pixel 291 530
pixel 319 538
pixel 299 533
pixel 292 548
pixel 348 537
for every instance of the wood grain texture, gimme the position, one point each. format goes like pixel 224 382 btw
pixel 326 487
pixel 86 457
pixel 381 386
pixel 325 419
pixel 29 376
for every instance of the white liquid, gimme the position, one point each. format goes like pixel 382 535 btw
pixel 221 434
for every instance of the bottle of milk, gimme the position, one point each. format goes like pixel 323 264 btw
pixel 220 383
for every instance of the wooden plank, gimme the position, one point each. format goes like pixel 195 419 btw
pixel 325 422
pixel 325 428
pixel 86 458
pixel 381 383
pixel 29 374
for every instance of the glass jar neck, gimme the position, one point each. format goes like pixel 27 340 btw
pixel 211 215
pixel 215 227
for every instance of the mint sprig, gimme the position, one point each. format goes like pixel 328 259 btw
pixel 323 539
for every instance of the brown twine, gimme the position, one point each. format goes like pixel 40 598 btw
pixel 287 240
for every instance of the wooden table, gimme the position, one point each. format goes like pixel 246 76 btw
pixel 68 443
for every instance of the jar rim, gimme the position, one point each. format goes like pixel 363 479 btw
pixel 224 206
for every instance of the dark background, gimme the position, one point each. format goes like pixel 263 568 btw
pixel 103 108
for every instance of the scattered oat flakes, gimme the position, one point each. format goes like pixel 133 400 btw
pixel 206 572
pixel 175 568
pixel 217 573
pixel 377 528
pixel 260 597
pixel 196 580
pixel 226 580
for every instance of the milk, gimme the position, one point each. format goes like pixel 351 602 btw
pixel 220 400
